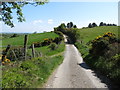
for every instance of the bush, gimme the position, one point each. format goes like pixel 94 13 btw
pixel 36 44
pixel 14 35
pixel 47 42
pixel 105 56
pixel 15 52
pixel 102 44
pixel 58 40
pixel 53 46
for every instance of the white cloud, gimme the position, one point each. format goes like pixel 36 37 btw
pixel 37 21
pixel 50 21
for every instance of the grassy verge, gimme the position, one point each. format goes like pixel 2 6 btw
pixel 30 73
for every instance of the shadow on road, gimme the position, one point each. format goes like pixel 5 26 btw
pixel 102 78
pixel 83 65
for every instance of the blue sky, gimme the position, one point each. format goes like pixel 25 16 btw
pixel 46 17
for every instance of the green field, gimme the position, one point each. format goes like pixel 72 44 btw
pixel 88 34
pixel 46 51
pixel 39 37
pixel 91 33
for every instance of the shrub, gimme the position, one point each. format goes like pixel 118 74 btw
pixel 47 42
pixel 58 40
pixel 105 56
pixel 14 35
pixel 53 46
pixel 37 44
pixel 6 61
pixel 102 44
pixel 16 52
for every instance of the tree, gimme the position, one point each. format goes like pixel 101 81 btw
pixel 68 25
pixel 90 25
pixel 101 24
pixel 114 25
pixel 7 7
pixel 63 25
pixel 104 24
pixel 71 24
pixel 74 26
pixel 94 24
pixel 108 24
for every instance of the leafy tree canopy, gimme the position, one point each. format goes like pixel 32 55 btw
pixel 62 26
pixel 90 25
pixel 7 7
pixel 94 24
pixel 101 24
pixel 74 26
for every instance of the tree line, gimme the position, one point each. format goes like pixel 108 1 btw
pixel 69 25
pixel 91 25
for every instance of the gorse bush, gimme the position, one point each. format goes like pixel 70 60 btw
pixel 104 56
pixel 5 61
pixel 48 41
pixel 102 44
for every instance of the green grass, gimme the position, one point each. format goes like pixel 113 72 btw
pixel 39 37
pixel 47 51
pixel 35 72
pixel 91 33
pixel 30 73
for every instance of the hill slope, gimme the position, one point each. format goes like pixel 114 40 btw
pixel 39 37
pixel 91 33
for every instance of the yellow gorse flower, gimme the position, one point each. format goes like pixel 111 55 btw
pixel 6 61
pixel 0 58
pixel 46 39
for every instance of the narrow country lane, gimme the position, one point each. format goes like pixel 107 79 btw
pixel 73 72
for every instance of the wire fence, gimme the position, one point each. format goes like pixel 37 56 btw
pixel 19 52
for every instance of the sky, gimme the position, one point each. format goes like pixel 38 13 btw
pixel 46 17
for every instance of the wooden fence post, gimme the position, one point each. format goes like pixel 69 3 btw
pixel 33 51
pixel 5 53
pixel 25 46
